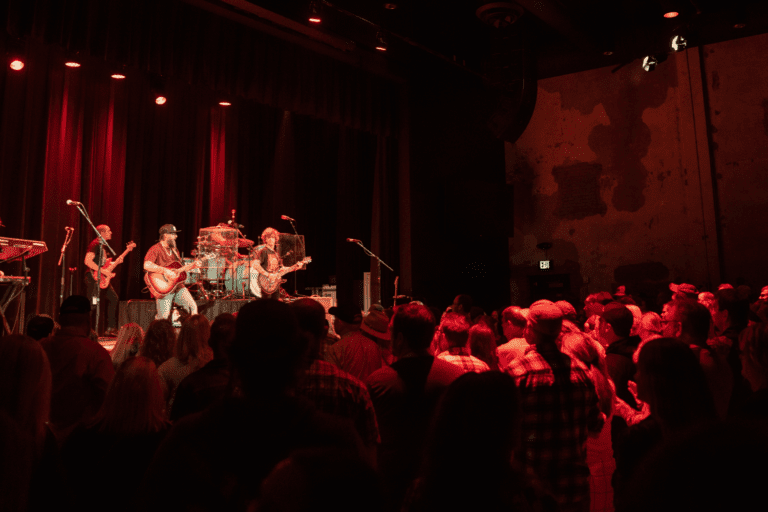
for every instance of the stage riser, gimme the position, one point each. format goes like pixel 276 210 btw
pixel 143 312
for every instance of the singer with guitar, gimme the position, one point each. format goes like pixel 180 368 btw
pixel 164 265
pixel 101 287
pixel 269 266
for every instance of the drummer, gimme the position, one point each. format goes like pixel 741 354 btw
pixel 266 260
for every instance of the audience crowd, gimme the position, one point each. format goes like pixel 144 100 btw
pixel 615 403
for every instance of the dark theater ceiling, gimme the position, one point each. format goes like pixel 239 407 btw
pixel 564 35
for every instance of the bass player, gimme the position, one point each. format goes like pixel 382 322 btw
pixel 159 257
pixel 94 255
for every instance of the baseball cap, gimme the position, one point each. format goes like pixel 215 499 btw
pixel 168 228
pixel 545 317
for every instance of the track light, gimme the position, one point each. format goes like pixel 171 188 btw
pixel 381 42
pixel 72 60
pixel 314 13
pixel 225 103
pixel 650 62
pixel 16 53
pixel 678 43
pixel 671 14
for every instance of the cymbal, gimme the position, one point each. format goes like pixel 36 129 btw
pixel 244 242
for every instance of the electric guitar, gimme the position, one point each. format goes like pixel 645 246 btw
pixel 109 266
pixel 159 285
pixel 270 283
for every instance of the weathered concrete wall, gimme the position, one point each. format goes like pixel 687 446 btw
pixel 614 170
pixel 737 86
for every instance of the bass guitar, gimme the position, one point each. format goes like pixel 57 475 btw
pixel 160 285
pixel 109 266
pixel 271 282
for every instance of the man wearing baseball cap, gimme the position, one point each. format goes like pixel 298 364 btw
pixel 559 407
pixel 159 262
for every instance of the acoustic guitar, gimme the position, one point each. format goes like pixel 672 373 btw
pixel 270 283
pixel 109 266
pixel 159 285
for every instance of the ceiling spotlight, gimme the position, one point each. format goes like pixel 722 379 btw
pixel 225 104
pixel 17 64
pixel 390 6
pixel 72 64
pixel 678 43
pixel 161 100
pixel 671 14
pixel 314 13
pixel 118 76
pixel 650 62
pixel 739 25
pixel 381 42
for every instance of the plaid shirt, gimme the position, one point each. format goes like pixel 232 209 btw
pixel 339 393
pixel 560 407
pixel 461 357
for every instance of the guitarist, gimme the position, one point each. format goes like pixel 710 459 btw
pixel 266 261
pixel 108 296
pixel 158 258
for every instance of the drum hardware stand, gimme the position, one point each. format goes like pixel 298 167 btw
pixel 379 263
pixel 72 271
pixel 97 298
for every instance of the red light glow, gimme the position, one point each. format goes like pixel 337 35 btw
pixel 671 14
pixel 381 48
pixel 160 100
pixel 225 104
pixel 118 76
pixel 72 64
pixel 17 65
pixel 315 19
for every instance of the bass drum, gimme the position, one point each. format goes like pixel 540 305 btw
pixel 193 275
pixel 213 268
pixel 237 276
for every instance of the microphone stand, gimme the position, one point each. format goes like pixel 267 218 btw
pixel 97 298
pixel 379 263
pixel 63 262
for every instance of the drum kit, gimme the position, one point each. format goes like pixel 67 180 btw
pixel 225 273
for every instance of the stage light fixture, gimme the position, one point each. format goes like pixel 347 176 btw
pixel 225 104
pixel 72 64
pixel 650 62
pixel 161 100
pixel 17 64
pixel 678 43
pixel 314 13
pixel 118 76
pixel 381 42
pixel 671 14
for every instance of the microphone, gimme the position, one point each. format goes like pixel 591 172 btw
pixel 235 224
pixel 285 217
pixel 354 240
pixel 74 203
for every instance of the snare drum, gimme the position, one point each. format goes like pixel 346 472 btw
pixel 193 275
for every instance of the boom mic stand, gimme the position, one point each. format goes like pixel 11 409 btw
pixel 379 263
pixel 102 243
